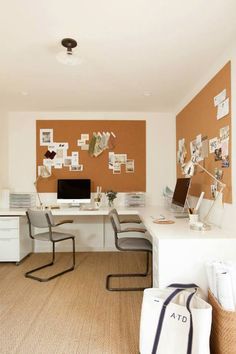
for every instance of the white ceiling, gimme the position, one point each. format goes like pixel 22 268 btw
pixel 127 47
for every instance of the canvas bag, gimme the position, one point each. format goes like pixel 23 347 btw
pixel 175 321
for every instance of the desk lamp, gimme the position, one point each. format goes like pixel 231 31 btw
pixel 43 173
pixel 188 170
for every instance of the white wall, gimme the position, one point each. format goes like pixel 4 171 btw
pixel 3 150
pixel 223 216
pixel 160 147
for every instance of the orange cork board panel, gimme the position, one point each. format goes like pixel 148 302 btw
pixel 200 117
pixel 130 139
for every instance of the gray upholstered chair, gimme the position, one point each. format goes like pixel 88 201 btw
pixel 129 243
pixel 44 219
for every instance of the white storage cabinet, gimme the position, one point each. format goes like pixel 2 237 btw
pixel 15 242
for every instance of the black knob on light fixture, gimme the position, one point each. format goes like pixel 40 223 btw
pixel 69 44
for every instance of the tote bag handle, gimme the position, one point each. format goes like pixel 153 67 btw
pixel 179 288
pixel 183 286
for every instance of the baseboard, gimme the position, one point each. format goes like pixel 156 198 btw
pixel 81 249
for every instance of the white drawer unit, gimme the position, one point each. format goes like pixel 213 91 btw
pixel 8 222
pixel 15 242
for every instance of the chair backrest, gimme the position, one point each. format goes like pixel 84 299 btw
pixel 40 218
pixel 116 213
pixel 113 215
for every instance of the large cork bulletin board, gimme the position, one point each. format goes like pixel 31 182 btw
pixel 199 117
pixel 130 140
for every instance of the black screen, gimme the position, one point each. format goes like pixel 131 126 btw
pixel 73 189
pixel 181 191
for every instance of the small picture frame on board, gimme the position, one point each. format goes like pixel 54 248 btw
pixel 46 137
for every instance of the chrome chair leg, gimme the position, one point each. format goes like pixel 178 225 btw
pixel 29 273
pixel 110 276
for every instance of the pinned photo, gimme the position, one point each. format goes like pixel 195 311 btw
pixel 225 162
pixel 44 170
pixel 116 168
pixel 218 154
pixel 50 154
pixel 196 149
pixel 129 166
pixel 46 137
pixel 120 158
pixel 85 147
pixel 48 163
pixel 57 163
pixel 213 145
pixel 111 156
pixel 181 154
pixel 77 168
pixel 74 158
pixel 67 161
pixel 61 152
pixel 213 191
pixel 81 142
pixel 224 132
pixel 84 137
pixel 225 147
pixel 218 174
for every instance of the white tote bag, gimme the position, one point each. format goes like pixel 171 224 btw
pixel 175 321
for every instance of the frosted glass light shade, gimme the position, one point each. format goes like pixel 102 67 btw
pixel 70 58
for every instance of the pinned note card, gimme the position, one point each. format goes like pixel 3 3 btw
pixel 220 98
pixel 223 109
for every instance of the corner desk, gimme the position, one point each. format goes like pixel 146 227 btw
pixel 179 253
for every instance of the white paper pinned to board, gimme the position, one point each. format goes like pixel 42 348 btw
pixel 223 109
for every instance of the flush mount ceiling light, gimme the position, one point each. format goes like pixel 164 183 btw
pixel 147 93
pixel 68 57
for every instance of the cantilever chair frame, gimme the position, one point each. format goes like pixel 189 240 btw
pixel 67 237
pixel 122 275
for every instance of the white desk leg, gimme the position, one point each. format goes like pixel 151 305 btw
pixel 103 231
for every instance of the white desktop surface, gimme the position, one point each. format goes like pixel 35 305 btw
pixel 101 211
pixel 180 229
pixel 179 253
pixel 12 212
pixel 73 211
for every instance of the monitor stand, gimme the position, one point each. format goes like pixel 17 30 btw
pixel 74 205
pixel 179 213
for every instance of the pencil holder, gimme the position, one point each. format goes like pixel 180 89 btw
pixel 193 218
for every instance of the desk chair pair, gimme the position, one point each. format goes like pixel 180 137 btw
pixel 129 243
pixel 44 219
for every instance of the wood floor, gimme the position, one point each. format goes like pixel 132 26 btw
pixel 73 313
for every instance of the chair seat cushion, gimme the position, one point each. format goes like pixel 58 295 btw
pixel 130 219
pixel 134 229
pixel 56 236
pixel 134 244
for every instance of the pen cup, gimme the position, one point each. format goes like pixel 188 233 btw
pixel 193 218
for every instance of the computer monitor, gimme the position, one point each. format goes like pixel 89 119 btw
pixel 181 192
pixel 74 191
